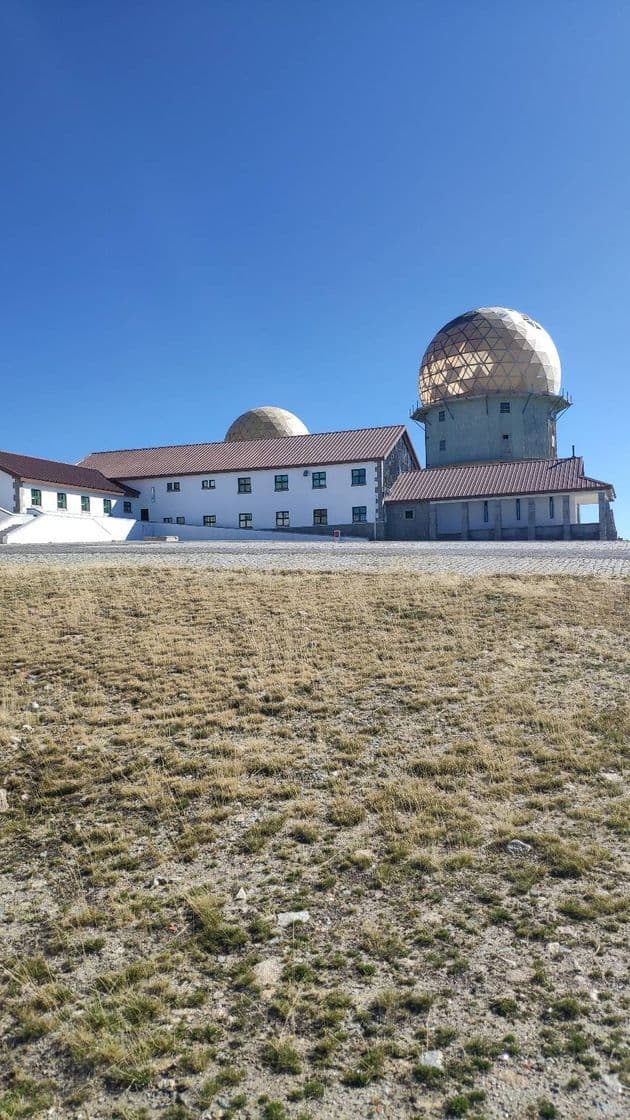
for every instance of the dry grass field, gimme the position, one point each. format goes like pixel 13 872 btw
pixel 187 755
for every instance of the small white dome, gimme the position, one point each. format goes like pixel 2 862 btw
pixel 266 422
pixel 489 350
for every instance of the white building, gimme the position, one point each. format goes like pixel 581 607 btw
pixel 289 483
pixel 42 500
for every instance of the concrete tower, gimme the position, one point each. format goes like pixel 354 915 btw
pixel 490 389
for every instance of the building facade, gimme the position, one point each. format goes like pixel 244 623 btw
pixel 71 501
pixel 309 484
pixel 538 499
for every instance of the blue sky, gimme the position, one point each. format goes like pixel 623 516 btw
pixel 212 205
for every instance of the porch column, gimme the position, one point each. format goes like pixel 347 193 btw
pixel 432 522
pixel 465 522
pixel 603 515
pixel 531 519
pixel 497 520
pixel 566 517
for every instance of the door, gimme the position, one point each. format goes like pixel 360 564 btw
pixel 144 515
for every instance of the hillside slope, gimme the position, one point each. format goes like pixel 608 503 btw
pixel 188 755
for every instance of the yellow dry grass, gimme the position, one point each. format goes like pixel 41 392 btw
pixel 362 747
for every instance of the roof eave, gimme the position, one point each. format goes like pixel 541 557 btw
pixel 504 494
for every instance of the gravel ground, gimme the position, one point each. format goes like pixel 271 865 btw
pixel 575 558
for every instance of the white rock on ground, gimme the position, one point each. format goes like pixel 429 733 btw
pixel 432 1058
pixel 268 972
pixel 289 917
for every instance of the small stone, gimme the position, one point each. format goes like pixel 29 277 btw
pixel 268 972
pixel 505 1057
pixel 518 848
pixel 612 1082
pixel 290 917
pixel 434 1059
pixel 362 857
pixel 241 895
pixel 4 801
pixel 554 949
pixel 518 975
pixel 34 706
pixel 610 775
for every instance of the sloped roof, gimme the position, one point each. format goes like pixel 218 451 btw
pixel 484 480
pixel 325 448
pixel 60 474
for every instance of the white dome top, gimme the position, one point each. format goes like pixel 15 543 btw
pixel 489 350
pixel 266 422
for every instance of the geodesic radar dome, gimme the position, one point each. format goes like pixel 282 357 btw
pixel 489 350
pixel 265 423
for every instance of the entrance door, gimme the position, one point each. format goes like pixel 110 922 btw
pixel 144 515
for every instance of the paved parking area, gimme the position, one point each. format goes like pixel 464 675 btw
pixel 575 558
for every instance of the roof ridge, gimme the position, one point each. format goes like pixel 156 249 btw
pixel 43 459
pixel 496 463
pixel 261 439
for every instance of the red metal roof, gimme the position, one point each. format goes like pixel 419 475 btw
pixel 326 448
pixel 60 474
pixel 481 480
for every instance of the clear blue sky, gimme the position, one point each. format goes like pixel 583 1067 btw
pixel 212 205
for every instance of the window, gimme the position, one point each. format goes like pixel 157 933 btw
pixel 485 511
pixel 208 484
pixel 505 436
pixel 359 513
pixel 281 482
pixel 442 445
pixel 180 520
pixel 245 520
pixel 167 520
pixel 85 503
pixel 282 519
pixel 172 487
pixel 551 510
pixel 209 520
pixel 62 501
pixel 36 497
pixel 320 517
pixel 244 485
pixel 518 509
pixel 409 514
pixel 505 406
pixel 107 507
pixel 319 480
pixel 358 476
pixel 126 507
pixel 442 415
